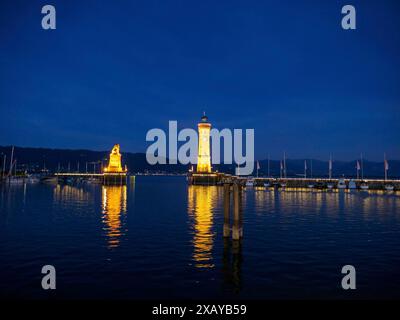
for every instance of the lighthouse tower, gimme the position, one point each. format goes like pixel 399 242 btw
pixel 114 165
pixel 114 173
pixel 204 159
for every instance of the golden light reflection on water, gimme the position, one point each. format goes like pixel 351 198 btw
pixel 201 206
pixel 67 194
pixel 263 200
pixel 114 204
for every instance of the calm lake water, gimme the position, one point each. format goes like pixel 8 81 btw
pixel 160 238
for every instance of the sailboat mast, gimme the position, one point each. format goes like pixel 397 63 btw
pixel 268 166
pixel 4 166
pixel 330 166
pixel 11 161
pixel 362 167
pixel 358 169
pixel 284 164
pixel 257 168
pixel 385 165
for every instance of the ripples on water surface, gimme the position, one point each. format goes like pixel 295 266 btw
pixel 159 238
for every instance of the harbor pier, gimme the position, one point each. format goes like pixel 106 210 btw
pixel 205 179
pixel 101 178
pixel 215 179
pixel 113 174
pixel 326 183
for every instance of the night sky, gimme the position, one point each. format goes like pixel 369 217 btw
pixel 112 70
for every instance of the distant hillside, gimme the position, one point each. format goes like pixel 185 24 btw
pixel 35 159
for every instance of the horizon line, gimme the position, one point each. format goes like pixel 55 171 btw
pixel 255 160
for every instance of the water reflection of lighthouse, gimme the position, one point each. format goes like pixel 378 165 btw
pixel 114 205
pixel 201 206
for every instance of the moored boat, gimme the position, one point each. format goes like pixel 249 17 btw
pixel 16 180
pixel 352 184
pixel 341 184
pixel 33 179
pixel 389 187
pixel 364 186
pixel 250 183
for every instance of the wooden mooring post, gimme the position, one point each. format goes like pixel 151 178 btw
pixel 237 226
pixel 227 205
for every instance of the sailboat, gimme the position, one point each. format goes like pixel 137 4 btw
pixel 267 184
pixel 352 184
pixel 330 185
pixel 253 182
pixel 33 179
pixel 364 186
pixel 358 167
pixel 341 184
pixel 310 185
pixel 284 165
pixel 388 187
pixel 12 178
pixel 3 171
pixel 283 170
pixel 250 182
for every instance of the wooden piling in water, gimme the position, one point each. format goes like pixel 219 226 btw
pixel 240 211
pixel 236 233
pixel 227 204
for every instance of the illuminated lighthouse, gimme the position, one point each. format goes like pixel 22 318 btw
pixel 203 158
pixel 114 165
pixel 114 173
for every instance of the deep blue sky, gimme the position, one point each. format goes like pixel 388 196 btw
pixel 115 69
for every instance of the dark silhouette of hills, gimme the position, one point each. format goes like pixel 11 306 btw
pixel 35 159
